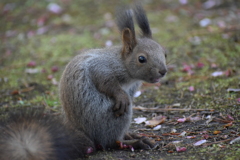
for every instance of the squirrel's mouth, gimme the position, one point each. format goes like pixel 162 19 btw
pixel 155 80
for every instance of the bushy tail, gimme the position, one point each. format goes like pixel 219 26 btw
pixel 28 135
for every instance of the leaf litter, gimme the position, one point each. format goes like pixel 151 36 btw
pixel 196 137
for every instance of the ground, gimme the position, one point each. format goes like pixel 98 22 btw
pixel 196 105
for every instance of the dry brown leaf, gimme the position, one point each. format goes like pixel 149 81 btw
pixel 155 121
pixel 217 132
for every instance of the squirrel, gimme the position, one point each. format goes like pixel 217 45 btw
pixel 29 134
pixel 96 91
pixel 97 86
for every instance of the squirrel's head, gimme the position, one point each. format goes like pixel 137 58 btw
pixel 143 57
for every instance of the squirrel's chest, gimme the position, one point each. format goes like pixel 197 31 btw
pixel 129 85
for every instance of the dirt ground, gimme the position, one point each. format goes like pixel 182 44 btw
pixel 193 113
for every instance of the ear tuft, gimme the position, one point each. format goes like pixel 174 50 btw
pixel 125 25
pixel 142 21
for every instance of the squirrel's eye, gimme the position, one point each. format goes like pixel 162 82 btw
pixel 142 59
pixel 165 55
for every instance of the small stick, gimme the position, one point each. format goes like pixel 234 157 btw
pixel 168 109
pixel 208 144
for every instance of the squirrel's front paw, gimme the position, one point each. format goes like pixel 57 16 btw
pixel 121 104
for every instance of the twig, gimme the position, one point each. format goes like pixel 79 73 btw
pixel 168 109
pixel 208 144
pixel 222 120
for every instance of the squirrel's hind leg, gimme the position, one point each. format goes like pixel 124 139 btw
pixel 139 142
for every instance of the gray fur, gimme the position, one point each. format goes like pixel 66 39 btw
pixel 85 104
pixel 99 81
pixel 29 134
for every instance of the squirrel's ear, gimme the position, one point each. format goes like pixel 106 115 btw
pixel 129 41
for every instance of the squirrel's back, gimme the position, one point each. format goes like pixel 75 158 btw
pixel 28 135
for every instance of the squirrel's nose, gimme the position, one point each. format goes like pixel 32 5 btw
pixel 163 72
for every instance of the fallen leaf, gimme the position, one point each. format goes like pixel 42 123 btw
pixel 217 132
pixel 171 18
pixel 195 40
pixel 15 92
pixel 224 136
pixel 41 21
pixel 205 22
pixel 54 81
pixel 200 65
pixel 205 136
pixel 183 2
pixel 210 4
pixel 183 133
pixel 238 100
pixel 140 120
pixel 229 72
pixel 32 64
pixel 66 18
pixel 44 70
pixel 198 143
pixel 181 120
pixel 187 68
pixel 158 127
pixel 228 125
pixel 213 65
pixel 230 117
pixel 217 73
pixel 30 34
pixel 210 119
pixel 176 105
pixel 173 130
pixel 176 142
pixel 181 149
pixel 191 88
pixel 191 137
pixel 155 121
pixel 194 119
pixel 42 30
pixel 50 77
pixel 108 43
pixel 54 8
pixel 221 146
pixel 124 146
pixel 54 69
pixel 31 70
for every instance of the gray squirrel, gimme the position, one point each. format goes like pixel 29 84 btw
pixel 98 85
pixel 96 90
